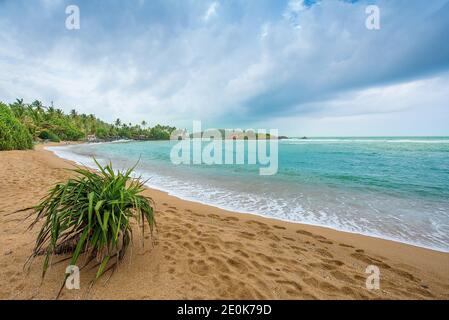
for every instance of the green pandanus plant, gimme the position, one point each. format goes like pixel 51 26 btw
pixel 90 215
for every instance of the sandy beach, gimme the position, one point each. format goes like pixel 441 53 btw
pixel 202 252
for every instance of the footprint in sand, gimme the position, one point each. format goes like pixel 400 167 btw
pixel 231 219
pixel 338 263
pixel 259 224
pixel 224 277
pixel 237 264
pixel 369 260
pixel 272 274
pixel 324 253
pixel 247 235
pixel 316 265
pixel 242 253
pixel 199 246
pixel 197 214
pixel 219 264
pixel 258 266
pixel 198 267
pixel 341 276
pixel 293 285
pixel 359 278
pixel 304 232
pixel 232 244
pixel 296 248
pixel 270 235
pixel 266 258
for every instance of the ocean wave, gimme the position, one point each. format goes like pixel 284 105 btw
pixel 345 140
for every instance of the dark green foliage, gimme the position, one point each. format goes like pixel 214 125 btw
pixel 13 134
pixel 92 214
pixel 102 133
pixel 48 135
pixel 53 124
pixel 159 133
pixel 65 130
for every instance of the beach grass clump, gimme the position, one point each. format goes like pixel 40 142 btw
pixel 91 215
pixel 13 134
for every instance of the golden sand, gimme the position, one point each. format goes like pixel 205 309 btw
pixel 201 252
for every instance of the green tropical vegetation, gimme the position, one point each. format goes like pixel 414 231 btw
pixel 13 134
pixel 91 215
pixel 22 123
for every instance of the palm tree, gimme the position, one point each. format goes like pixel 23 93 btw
pixel 144 123
pixel 73 113
pixel 118 122
pixel 18 108
pixel 20 102
pixel 38 105
pixel 36 109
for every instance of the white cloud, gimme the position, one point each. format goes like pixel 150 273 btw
pixel 265 30
pixel 211 11
pixel 399 109
pixel 292 12
pixel 51 4
pixel 392 98
pixel 248 68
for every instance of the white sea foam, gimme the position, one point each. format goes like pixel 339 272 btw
pixel 65 152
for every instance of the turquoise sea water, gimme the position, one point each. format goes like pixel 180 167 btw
pixel 394 188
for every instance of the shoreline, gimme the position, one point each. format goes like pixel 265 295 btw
pixel 204 252
pixel 299 223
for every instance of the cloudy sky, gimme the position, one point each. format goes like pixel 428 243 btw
pixel 306 67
